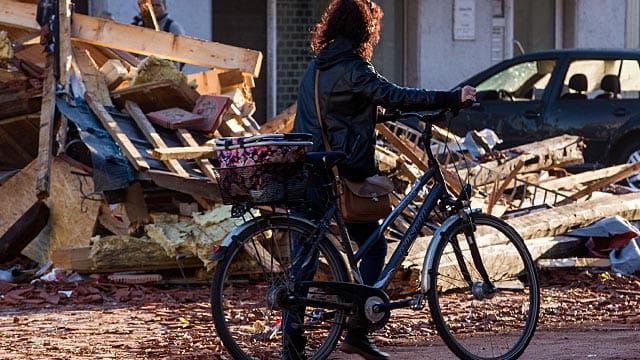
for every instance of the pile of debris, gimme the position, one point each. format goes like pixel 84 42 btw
pixel 105 161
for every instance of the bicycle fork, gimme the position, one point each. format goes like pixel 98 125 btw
pixel 482 289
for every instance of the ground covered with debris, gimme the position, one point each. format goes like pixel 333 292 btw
pixel 101 320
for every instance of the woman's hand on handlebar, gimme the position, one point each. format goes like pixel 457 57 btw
pixel 468 94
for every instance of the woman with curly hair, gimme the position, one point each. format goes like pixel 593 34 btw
pixel 349 94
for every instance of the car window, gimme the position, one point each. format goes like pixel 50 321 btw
pixel 521 82
pixel 630 79
pixel 602 79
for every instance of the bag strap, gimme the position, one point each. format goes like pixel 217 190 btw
pixel 324 136
pixel 167 25
pixel 334 169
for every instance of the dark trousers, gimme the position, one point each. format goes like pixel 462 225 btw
pixel 370 268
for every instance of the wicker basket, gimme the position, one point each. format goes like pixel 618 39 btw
pixel 262 169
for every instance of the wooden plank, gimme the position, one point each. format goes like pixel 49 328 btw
pixel 64 41
pixel 79 259
pixel 577 180
pixel 453 181
pixel 148 15
pixel 622 174
pixel 282 123
pixel 188 185
pixel 561 219
pixel 72 222
pixel 17 148
pixel 18 191
pixel 23 231
pixel 65 56
pixel 494 196
pixel 140 40
pixel 157 95
pixel 152 135
pixel 207 81
pixel 93 80
pixel 205 165
pixel 190 152
pixel 127 147
pixel 45 142
pixel 136 206
pixel 559 151
pixel 401 146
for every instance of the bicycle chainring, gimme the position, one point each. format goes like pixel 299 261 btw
pixel 376 319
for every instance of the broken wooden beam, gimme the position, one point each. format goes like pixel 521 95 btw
pixel 139 40
pixel 559 220
pixel 92 79
pixel 148 15
pixel 622 174
pixel 187 185
pixel 187 152
pixel 205 165
pixel 127 147
pixel 152 135
pixel 45 142
pixel 559 151
pixel 25 229
pixel 282 123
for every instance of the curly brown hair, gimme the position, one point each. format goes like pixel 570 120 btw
pixel 357 20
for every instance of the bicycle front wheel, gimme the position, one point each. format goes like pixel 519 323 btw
pixel 480 319
pixel 255 274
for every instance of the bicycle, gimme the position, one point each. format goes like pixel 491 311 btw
pixel 483 306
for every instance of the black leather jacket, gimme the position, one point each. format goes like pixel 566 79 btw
pixel 350 90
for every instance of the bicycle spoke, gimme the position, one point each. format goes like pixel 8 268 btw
pixel 250 287
pixel 480 321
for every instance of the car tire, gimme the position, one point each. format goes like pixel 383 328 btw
pixel 629 153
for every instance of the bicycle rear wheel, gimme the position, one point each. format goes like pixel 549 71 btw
pixel 255 270
pixel 476 322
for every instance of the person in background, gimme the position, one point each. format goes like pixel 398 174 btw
pixel 350 91
pixel 107 15
pixel 165 22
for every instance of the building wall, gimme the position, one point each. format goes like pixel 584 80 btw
pixel 294 19
pixel 246 29
pixel 443 62
pixel 600 23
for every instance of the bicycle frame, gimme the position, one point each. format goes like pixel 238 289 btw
pixel 437 192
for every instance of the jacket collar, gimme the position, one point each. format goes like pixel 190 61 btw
pixel 340 49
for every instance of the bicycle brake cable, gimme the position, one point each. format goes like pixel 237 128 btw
pixel 464 157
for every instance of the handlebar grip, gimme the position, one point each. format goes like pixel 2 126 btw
pixel 468 103
pixel 387 117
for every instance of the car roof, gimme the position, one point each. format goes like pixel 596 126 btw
pixel 581 52
pixel 555 54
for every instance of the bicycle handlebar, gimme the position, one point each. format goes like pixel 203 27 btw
pixel 430 118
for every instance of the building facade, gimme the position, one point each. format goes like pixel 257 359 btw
pixel 425 43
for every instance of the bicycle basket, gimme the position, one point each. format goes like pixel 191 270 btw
pixel 262 169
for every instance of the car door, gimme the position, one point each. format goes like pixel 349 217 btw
pixel 599 113
pixel 510 102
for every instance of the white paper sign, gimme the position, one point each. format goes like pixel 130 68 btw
pixel 464 20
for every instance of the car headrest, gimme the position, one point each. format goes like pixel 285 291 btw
pixel 610 83
pixel 578 82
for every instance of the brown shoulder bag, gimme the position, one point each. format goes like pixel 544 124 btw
pixel 359 202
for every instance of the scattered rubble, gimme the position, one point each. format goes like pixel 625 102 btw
pixel 97 155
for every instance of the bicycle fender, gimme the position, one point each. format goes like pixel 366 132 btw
pixel 427 265
pixel 219 252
